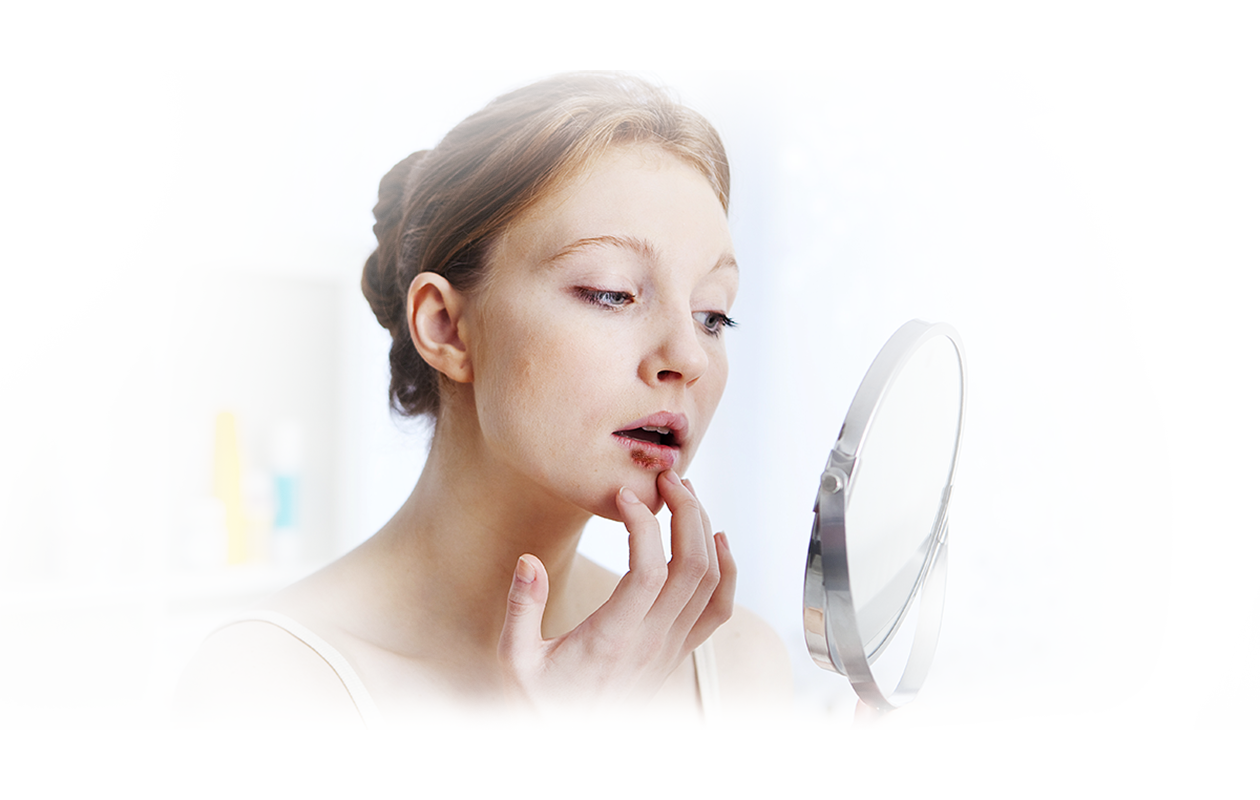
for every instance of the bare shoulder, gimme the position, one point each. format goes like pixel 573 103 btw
pixel 255 673
pixel 752 662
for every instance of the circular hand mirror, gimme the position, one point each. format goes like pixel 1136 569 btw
pixel 881 518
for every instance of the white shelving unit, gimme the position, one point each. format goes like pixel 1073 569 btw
pixel 141 320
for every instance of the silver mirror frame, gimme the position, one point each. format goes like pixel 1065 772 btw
pixel 830 615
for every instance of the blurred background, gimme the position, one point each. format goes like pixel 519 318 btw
pixel 180 315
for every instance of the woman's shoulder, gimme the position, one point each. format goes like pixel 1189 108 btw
pixel 752 662
pixel 258 670
pixel 253 674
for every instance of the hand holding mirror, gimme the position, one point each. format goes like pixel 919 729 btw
pixel 881 518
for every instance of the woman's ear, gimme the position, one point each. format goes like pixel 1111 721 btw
pixel 434 308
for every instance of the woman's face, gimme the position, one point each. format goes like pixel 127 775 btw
pixel 597 343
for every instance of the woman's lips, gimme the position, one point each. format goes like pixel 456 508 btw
pixel 648 455
pixel 655 441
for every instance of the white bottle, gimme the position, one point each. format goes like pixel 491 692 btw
pixel 81 541
pixel 203 541
pixel 5 481
pixel 261 513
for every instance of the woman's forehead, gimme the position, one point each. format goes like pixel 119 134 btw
pixel 641 200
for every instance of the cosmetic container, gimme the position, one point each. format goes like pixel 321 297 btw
pixel 227 486
pixel 286 459
pixel 81 542
pixel 261 512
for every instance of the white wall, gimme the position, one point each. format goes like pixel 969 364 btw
pixel 1091 238
pixel 1084 236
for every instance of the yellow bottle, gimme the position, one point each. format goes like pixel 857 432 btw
pixel 227 485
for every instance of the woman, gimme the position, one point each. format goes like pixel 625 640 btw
pixel 557 276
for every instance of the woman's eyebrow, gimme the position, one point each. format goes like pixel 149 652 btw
pixel 726 260
pixel 640 246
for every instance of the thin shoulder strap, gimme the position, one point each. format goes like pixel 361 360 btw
pixel 350 679
pixel 707 680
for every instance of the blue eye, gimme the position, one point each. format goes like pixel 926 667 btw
pixel 713 322
pixel 604 298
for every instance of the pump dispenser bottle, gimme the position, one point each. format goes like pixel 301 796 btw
pixel 227 485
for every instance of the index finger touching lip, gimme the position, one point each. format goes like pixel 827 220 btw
pixel 645 533
pixel 681 501
pixel 704 515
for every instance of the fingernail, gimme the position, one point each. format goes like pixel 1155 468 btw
pixel 629 496
pixel 687 482
pixel 721 539
pixel 525 572
pixel 672 477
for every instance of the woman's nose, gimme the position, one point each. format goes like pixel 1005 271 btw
pixel 679 355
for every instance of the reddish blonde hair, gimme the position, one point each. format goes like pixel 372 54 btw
pixel 442 210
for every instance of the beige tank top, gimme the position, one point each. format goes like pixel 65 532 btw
pixel 706 669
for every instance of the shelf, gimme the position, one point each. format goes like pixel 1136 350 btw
pixel 175 587
pixel 57 595
pixel 231 582
pixel 262 347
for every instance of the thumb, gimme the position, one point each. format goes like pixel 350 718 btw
pixel 527 599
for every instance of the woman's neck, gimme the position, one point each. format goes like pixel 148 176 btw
pixel 445 560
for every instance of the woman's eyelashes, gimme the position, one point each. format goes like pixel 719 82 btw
pixel 604 298
pixel 711 322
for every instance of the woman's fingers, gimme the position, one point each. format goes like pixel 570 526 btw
pixel 638 588
pixel 657 603
pixel 722 602
pixel 693 566
pixel 709 542
pixel 708 584
pixel 520 640
pixel 647 554
pixel 659 612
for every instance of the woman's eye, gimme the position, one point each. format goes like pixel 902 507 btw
pixel 604 298
pixel 713 322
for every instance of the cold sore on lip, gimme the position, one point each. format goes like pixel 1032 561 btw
pixel 649 454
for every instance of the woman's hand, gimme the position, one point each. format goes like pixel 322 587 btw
pixel 658 614
pixel 910 717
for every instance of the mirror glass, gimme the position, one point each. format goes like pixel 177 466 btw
pixel 881 518
pixel 896 486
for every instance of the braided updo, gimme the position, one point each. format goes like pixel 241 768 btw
pixel 442 210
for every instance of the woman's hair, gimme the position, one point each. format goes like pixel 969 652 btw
pixel 442 210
